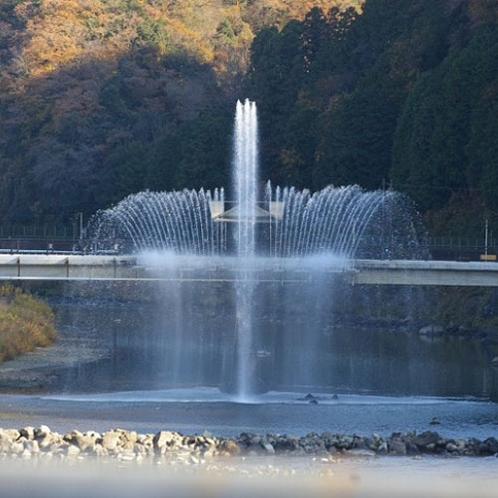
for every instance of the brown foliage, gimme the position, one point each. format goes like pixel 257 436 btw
pixel 59 33
pixel 25 323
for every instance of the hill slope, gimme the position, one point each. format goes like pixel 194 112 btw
pixel 103 98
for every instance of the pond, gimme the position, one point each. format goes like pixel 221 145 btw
pixel 157 360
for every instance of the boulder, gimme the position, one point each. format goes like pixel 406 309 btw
pixel 424 440
pixel 397 447
pixel 32 446
pixel 110 440
pixel 166 439
pixel 229 447
pixel 9 434
pixel 432 331
pixel 268 447
pixel 27 432
pixel 128 439
pixel 85 442
pixel 46 438
pixel 72 450
pixel 489 446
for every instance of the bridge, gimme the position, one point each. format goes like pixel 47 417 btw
pixel 78 267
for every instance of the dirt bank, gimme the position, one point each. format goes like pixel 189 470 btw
pixel 41 370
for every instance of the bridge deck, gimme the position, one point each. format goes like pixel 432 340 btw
pixel 443 273
pixel 358 272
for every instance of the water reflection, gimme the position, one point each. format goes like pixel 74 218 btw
pixel 183 336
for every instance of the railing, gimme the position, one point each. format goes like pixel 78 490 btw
pixel 40 238
pixel 461 248
pixel 51 239
pixel 20 245
pixel 39 231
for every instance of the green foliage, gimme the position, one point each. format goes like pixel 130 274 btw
pixel 226 30
pixel 447 132
pixel 124 6
pixel 317 73
pixel 152 33
pixel 472 307
pixel 199 149
pixel 206 152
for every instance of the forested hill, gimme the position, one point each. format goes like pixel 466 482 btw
pixel 103 98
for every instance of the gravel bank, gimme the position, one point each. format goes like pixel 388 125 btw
pixel 42 442
pixel 42 369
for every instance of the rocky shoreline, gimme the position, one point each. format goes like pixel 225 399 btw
pixel 125 445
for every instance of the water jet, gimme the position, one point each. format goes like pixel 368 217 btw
pixel 214 332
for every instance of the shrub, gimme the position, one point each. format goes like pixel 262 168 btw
pixel 25 323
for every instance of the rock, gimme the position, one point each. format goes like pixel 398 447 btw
pixel 286 444
pixel 128 439
pixel 411 448
pixel 72 450
pixel 432 331
pixel 451 447
pixel 85 442
pixel 397 447
pixel 345 443
pixel 9 434
pixel 28 432
pixel 146 440
pixel 166 439
pixel 31 446
pixel 100 451
pixel 194 449
pixel 229 447
pixel 17 447
pixel 268 447
pixel 46 438
pixel 491 446
pixel 110 440
pixel 310 398
pixel 42 431
pixel 383 449
pixel 422 441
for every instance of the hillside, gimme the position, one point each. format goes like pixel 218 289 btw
pixel 88 86
pixel 103 98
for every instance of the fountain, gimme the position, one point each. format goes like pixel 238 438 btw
pixel 286 249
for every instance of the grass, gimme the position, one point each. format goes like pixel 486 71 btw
pixel 25 323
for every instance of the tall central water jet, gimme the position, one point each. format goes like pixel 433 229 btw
pixel 245 168
pixel 245 181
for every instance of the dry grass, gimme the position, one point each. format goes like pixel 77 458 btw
pixel 25 323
